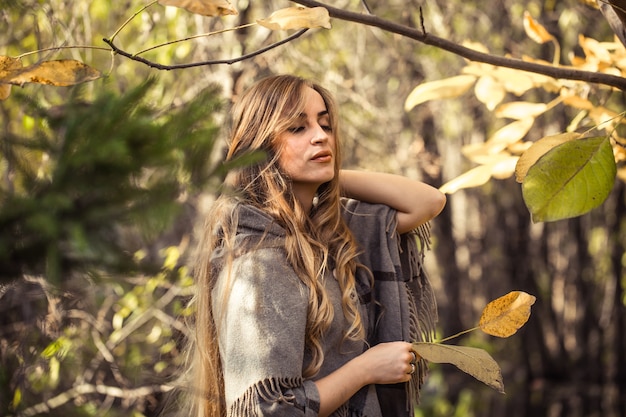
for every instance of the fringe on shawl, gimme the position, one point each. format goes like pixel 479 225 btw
pixel 269 390
pixel 422 306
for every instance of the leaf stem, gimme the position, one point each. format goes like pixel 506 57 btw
pixel 194 37
pixel 458 334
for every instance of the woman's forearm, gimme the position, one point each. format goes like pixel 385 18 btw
pixel 385 363
pixel 416 202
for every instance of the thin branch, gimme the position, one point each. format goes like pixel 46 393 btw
pixel 194 37
pixel 467 53
pixel 201 63
pixel 71 394
pixel 131 18
pixel 57 48
pixel 366 6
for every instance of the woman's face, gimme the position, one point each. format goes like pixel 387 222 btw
pixel 308 146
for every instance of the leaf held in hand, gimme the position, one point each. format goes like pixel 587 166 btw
pixel 297 18
pixel 473 361
pixel 506 315
pixel 203 7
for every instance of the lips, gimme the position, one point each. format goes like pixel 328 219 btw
pixel 323 156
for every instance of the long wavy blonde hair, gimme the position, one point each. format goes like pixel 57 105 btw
pixel 314 242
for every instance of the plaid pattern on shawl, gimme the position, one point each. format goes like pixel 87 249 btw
pixel 403 305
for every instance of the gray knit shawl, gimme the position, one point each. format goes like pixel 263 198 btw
pixel 260 321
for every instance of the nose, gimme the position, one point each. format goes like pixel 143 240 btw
pixel 320 135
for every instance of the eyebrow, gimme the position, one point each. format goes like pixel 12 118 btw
pixel 320 114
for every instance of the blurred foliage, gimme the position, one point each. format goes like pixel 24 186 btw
pixel 86 352
pixel 95 181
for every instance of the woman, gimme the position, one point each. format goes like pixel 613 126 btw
pixel 290 319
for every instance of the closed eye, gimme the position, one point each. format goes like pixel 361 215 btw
pixel 295 129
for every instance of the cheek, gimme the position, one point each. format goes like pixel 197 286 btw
pixel 287 156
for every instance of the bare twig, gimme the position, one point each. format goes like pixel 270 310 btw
pixel 83 389
pixel 58 48
pixel 467 53
pixel 202 35
pixel 366 6
pixel 131 18
pixel 229 61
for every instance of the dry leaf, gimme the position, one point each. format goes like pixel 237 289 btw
pixel 535 31
pixel 436 90
pixel 540 148
pixel 473 178
pixel 203 7
pixel 593 48
pixel 60 73
pixel 578 102
pixel 604 117
pixel 520 110
pixel 489 91
pixel 510 133
pixel 504 168
pixel 7 64
pixel 473 361
pixel 515 81
pixel 297 18
pixel 504 316
pixel 479 152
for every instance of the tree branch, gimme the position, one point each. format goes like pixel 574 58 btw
pixel 467 53
pixel 201 63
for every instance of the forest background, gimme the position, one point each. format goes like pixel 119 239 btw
pixel 104 184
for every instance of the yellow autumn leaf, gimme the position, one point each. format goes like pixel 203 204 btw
pixel 520 110
pixel 535 31
pixel 203 7
pixel 479 152
pixel 621 173
pixel 473 361
pixel 515 81
pixel 297 18
pixel 7 64
pixel 510 133
pixel 504 168
pixel 577 102
pixel 604 117
pixel 59 73
pixel 512 80
pixel 506 315
pixel 484 153
pixel 437 90
pixel 475 177
pixel 595 49
pixel 489 91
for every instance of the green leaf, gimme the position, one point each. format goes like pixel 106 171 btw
pixel 570 180
pixel 473 361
